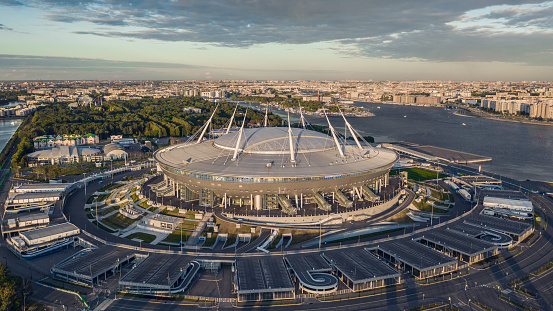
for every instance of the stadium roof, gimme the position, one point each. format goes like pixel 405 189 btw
pixel 274 140
pixel 267 155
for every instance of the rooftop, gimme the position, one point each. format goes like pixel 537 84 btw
pixel 40 187
pixel 499 224
pixel 456 241
pixel 275 140
pixel 415 254
pixel 316 156
pixel 94 262
pixel 49 231
pixel 46 196
pixel 263 274
pixel 359 265
pixel 157 270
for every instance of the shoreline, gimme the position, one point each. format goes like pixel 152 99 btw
pixel 463 115
pixel 502 119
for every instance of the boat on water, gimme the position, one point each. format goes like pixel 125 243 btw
pixel 405 116
pixel 378 107
pixel 463 124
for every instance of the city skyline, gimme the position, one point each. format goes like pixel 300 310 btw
pixel 284 40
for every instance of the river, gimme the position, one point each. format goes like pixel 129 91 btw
pixel 519 150
pixel 7 128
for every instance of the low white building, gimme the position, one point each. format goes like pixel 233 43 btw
pixel 64 154
pixel 34 243
pixel 512 207
pixel 161 221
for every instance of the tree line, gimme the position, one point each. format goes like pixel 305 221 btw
pixel 8 97
pixel 144 118
pixel 12 289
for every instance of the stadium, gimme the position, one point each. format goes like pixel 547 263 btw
pixel 275 167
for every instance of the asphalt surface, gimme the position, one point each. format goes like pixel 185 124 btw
pixel 479 285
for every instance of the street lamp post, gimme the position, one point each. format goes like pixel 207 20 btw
pixel 96 200
pixel 84 181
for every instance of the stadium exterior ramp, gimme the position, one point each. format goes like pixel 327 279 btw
pixel 313 273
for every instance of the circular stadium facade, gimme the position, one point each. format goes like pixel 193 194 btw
pixel 272 167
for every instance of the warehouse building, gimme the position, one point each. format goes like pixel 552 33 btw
pixel 31 201
pixel 457 245
pixel 39 187
pixel 522 208
pixel 500 240
pixel 313 273
pixel 414 258
pixel 14 224
pixel 160 275
pixel 91 267
pixel 263 279
pixel 516 229
pixel 38 242
pixel 361 270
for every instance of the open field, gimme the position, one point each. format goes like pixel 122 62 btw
pixel 175 236
pixel 118 221
pixel 145 237
pixel 418 174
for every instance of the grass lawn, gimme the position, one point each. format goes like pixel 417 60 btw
pixel 418 174
pixel 275 241
pixel 231 239
pixel 153 208
pixel 175 236
pixel 543 220
pixel 91 199
pixel 175 213
pixel 110 186
pixel 103 227
pixel 425 207
pixel 144 204
pixel 211 241
pixel 300 236
pixel 230 227
pixel 134 197
pixel 118 221
pixel 107 210
pixel 145 237
pixel 188 225
pixel 401 217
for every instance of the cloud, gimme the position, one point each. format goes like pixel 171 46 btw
pixel 68 63
pixel 26 67
pixel 445 44
pixel 410 29
pixel 10 2
pixel 248 22
pixel 3 27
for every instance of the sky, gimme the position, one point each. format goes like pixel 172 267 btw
pixel 482 40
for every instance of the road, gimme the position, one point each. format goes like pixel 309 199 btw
pixel 478 285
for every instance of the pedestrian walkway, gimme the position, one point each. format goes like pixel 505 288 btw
pixel 199 229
